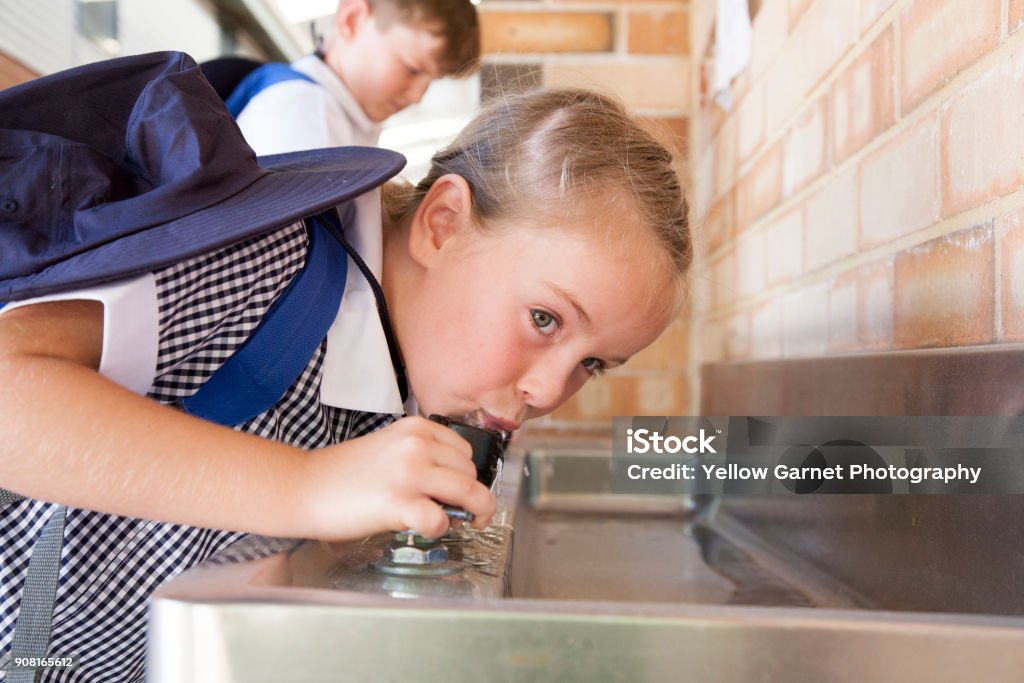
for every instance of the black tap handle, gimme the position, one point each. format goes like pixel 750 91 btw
pixel 488 447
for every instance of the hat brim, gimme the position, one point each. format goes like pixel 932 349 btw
pixel 296 186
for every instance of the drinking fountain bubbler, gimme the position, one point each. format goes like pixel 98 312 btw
pixel 411 554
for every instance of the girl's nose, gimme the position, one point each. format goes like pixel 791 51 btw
pixel 544 386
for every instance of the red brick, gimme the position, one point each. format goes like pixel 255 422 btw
pixel 670 351
pixel 718 224
pixel 725 157
pixel 805 322
pixel 862 98
pixel 860 309
pixel 603 398
pixel 760 189
pixel 750 124
pixel 983 137
pixel 875 290
pixel 723 280
pixel 592 402
pixel 712 340
pixel 1011 268
pixel 870 10
pixel 740 86
pixel 750 261
pixel 545 32
pixel 703 186
pixel 737 336
pixel 1015 17
pixel 804 158
pixel 671 131
pixel 825 33
pixel 797 8
pixel 699 137
pixel 702 25
pixel 659 32
pixel 616 2
pixel 770 28
pixel 698 292
pixel 13 72
pixel 899 185
pixel 942 38
pixel 784 89
pixel 660 395
pixel 766 330
pixel 832 221
pixel 784 247
pixel 842 313
pixel 717 116
pixel 662 84
pixel 944 291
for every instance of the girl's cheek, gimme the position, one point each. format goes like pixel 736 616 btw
pixel 575 384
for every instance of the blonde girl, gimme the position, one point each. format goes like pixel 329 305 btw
pixel 547 245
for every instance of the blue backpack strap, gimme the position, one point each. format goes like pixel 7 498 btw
pixel 253 379
pixel 259 373
pixel 259 79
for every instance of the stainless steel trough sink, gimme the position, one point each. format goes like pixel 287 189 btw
pixel 575 583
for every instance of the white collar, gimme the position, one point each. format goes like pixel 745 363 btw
pixel 317 69
pixel 357 370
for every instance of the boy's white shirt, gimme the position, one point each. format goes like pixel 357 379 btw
pixel 296 114
pixel 357 370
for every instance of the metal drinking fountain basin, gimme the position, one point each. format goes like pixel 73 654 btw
pixel 590 587
pixel 575 583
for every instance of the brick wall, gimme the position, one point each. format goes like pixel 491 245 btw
pixel 13 72
pixel 638 50
pixel 863 193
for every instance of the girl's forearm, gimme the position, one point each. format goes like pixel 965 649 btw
pixel 73 437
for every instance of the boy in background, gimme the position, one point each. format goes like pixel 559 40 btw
pixel 379 58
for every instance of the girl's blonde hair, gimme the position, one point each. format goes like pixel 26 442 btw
pixel 537 151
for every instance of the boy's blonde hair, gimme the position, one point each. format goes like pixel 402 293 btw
pixel 549 150
pixel 453 20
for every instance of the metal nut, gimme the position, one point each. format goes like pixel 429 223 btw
pixel 416 554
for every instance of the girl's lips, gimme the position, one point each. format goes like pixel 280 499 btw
pixel 484 420
pixel 497 424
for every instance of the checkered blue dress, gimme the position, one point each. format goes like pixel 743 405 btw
pixel 110 565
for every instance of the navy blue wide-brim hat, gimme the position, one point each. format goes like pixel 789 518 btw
pixel 125 166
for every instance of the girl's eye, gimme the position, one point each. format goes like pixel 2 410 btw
pixel 595 366
pixel 543 321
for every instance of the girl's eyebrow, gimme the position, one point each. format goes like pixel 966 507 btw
pixel 569 299
pixel 588 325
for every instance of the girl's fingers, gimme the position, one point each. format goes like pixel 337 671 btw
pixel 452 459
pixel 425 517
pixel 447 437
pixel 445 486
pixel 447 449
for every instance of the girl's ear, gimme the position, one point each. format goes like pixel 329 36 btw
pixel 350 17
pixel 446 211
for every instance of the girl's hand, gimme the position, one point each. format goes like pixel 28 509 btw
pixel 391 480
